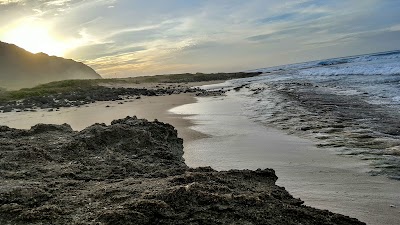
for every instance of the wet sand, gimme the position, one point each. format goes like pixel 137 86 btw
pixel 217 134
pixel 317 176
pixel 79 118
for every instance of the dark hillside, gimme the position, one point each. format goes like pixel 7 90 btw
pixel 20 68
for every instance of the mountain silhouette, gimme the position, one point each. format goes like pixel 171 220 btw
pixel 20 68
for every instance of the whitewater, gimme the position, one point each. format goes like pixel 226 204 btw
pixel 350 105
pixel 329 129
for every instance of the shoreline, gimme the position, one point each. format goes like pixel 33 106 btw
pixel 147 107
pixel 150 108
pixel 133 172
pixel 320 178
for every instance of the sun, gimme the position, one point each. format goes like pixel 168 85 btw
pixel 35 39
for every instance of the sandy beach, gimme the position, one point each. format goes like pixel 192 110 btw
pixel 318 176
pixel 147 107
pixel 150 108
pixel 212 138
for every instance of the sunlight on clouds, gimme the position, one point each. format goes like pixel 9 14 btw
pixel 6 2
pixel 130 38
pixel 84 39
pixel 35 39
pixel 58 2
pixel 156 58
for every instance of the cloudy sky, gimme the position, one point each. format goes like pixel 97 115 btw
pixel 141 37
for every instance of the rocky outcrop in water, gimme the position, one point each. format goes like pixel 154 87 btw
pixel 21 69
pixel 132 172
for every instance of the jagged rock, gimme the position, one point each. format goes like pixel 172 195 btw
pixel 133 172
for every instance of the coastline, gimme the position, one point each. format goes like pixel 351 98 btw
pixel 147 107
pixel 318 177
pixel 133 172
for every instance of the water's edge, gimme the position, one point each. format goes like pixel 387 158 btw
pixel 319 177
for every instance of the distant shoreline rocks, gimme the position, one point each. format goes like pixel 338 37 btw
pixel 95 94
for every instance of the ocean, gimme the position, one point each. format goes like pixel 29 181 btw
pixel 350 105
pixel 329 128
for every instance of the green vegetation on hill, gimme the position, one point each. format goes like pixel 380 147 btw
pixel 75 85
pixel 46 89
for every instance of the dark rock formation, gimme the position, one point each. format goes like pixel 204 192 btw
pixel 132 172
pixel 21 69
pixel 93 94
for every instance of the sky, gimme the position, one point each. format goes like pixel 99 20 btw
pixel 124 38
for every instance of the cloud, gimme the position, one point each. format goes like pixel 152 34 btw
pixel 271 36
pixel 395 27
pixel 282 17
pixel 90 52
pixel 10 2
pixel 132 37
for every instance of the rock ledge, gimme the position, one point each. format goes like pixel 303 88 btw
pixel 132 172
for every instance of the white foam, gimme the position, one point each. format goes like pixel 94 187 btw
pixel 391 68
pixel 386 63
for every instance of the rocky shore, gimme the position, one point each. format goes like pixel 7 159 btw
pixel 94 94
pixel 132 172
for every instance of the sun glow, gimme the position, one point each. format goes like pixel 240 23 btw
pixel 35 39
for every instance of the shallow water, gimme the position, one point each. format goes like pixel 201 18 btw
pixel 349 104
pixel 318 176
